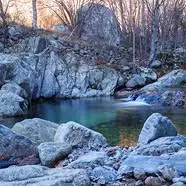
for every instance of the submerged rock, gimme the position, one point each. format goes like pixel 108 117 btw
pixel 37 130
pixel 17 149
pixel 51 153
pixel 156 126
pixel 42 176
pixel 78 136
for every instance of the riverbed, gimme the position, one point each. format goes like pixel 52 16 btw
pixel 119 120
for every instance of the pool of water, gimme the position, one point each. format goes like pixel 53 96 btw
pixel 118 120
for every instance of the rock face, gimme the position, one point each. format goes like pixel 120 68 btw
pixel 17 149
pixel 49 74
pixel 155 127
pixel 77 135
pixel 42 176
pixel 37 130
pixel 51 153
pixel 97 22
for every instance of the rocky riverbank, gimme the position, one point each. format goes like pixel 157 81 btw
pixel 39 152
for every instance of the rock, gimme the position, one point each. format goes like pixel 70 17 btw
pixel 149 75
pixel 37 130
pixel 17 149
pixel 37 175
pixel 76 135
pixel 61 28
pixel 163 145
pixel 98 23
pixel 1 47
pixel 151 165
pixel 16 32
pixel 174 97
pixel 179 55
pixel 176 78
pixel 104 175
pixel 12 104
pixel 153 181
pixel 168 172
pixel 51 153
pixel 178 184
pixel 155 64
pixel 136 81
pixel 156 126
pixel 15 88
pixel 139 174
pixel 52 74
pixel 90 160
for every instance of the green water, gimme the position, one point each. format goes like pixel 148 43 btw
pixel 119 121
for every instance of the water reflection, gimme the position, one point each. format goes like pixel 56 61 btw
pixel 118 121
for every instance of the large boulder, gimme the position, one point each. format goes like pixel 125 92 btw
pixel 37 130
pixel 156 126
pixel 15 88
pixel 136 81
pixel 37 175
pixel 51 153
pixel 152 165
pixel 17 149
pixel 76 135
pixel 176 78
pixel 163 145
pixel 98 23
pixel 11 104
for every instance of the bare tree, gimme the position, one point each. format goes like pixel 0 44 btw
pixel 34 14
pixel 4 6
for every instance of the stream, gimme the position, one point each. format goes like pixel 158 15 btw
pixel 119 120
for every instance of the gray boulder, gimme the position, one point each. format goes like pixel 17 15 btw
pixel 16 31
pixel 156 126
pixel 15 148
pixel 152 165
pixel 104 175
pixel 51 153
pixel 90 160
pixel 63 28
pixel 155 64
pixel 98 23
pixel 37 130
pixel 163 145
pixel 176 78
pixel 43 176
pixel 136 81
pixel 15 88
pixel 76 135
pixel 149 75
pixel 12 104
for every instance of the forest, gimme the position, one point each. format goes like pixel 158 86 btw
pixel 147 26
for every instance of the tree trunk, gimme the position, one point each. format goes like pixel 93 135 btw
pixel 155 31
pixel 34 14
pixel 4 25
